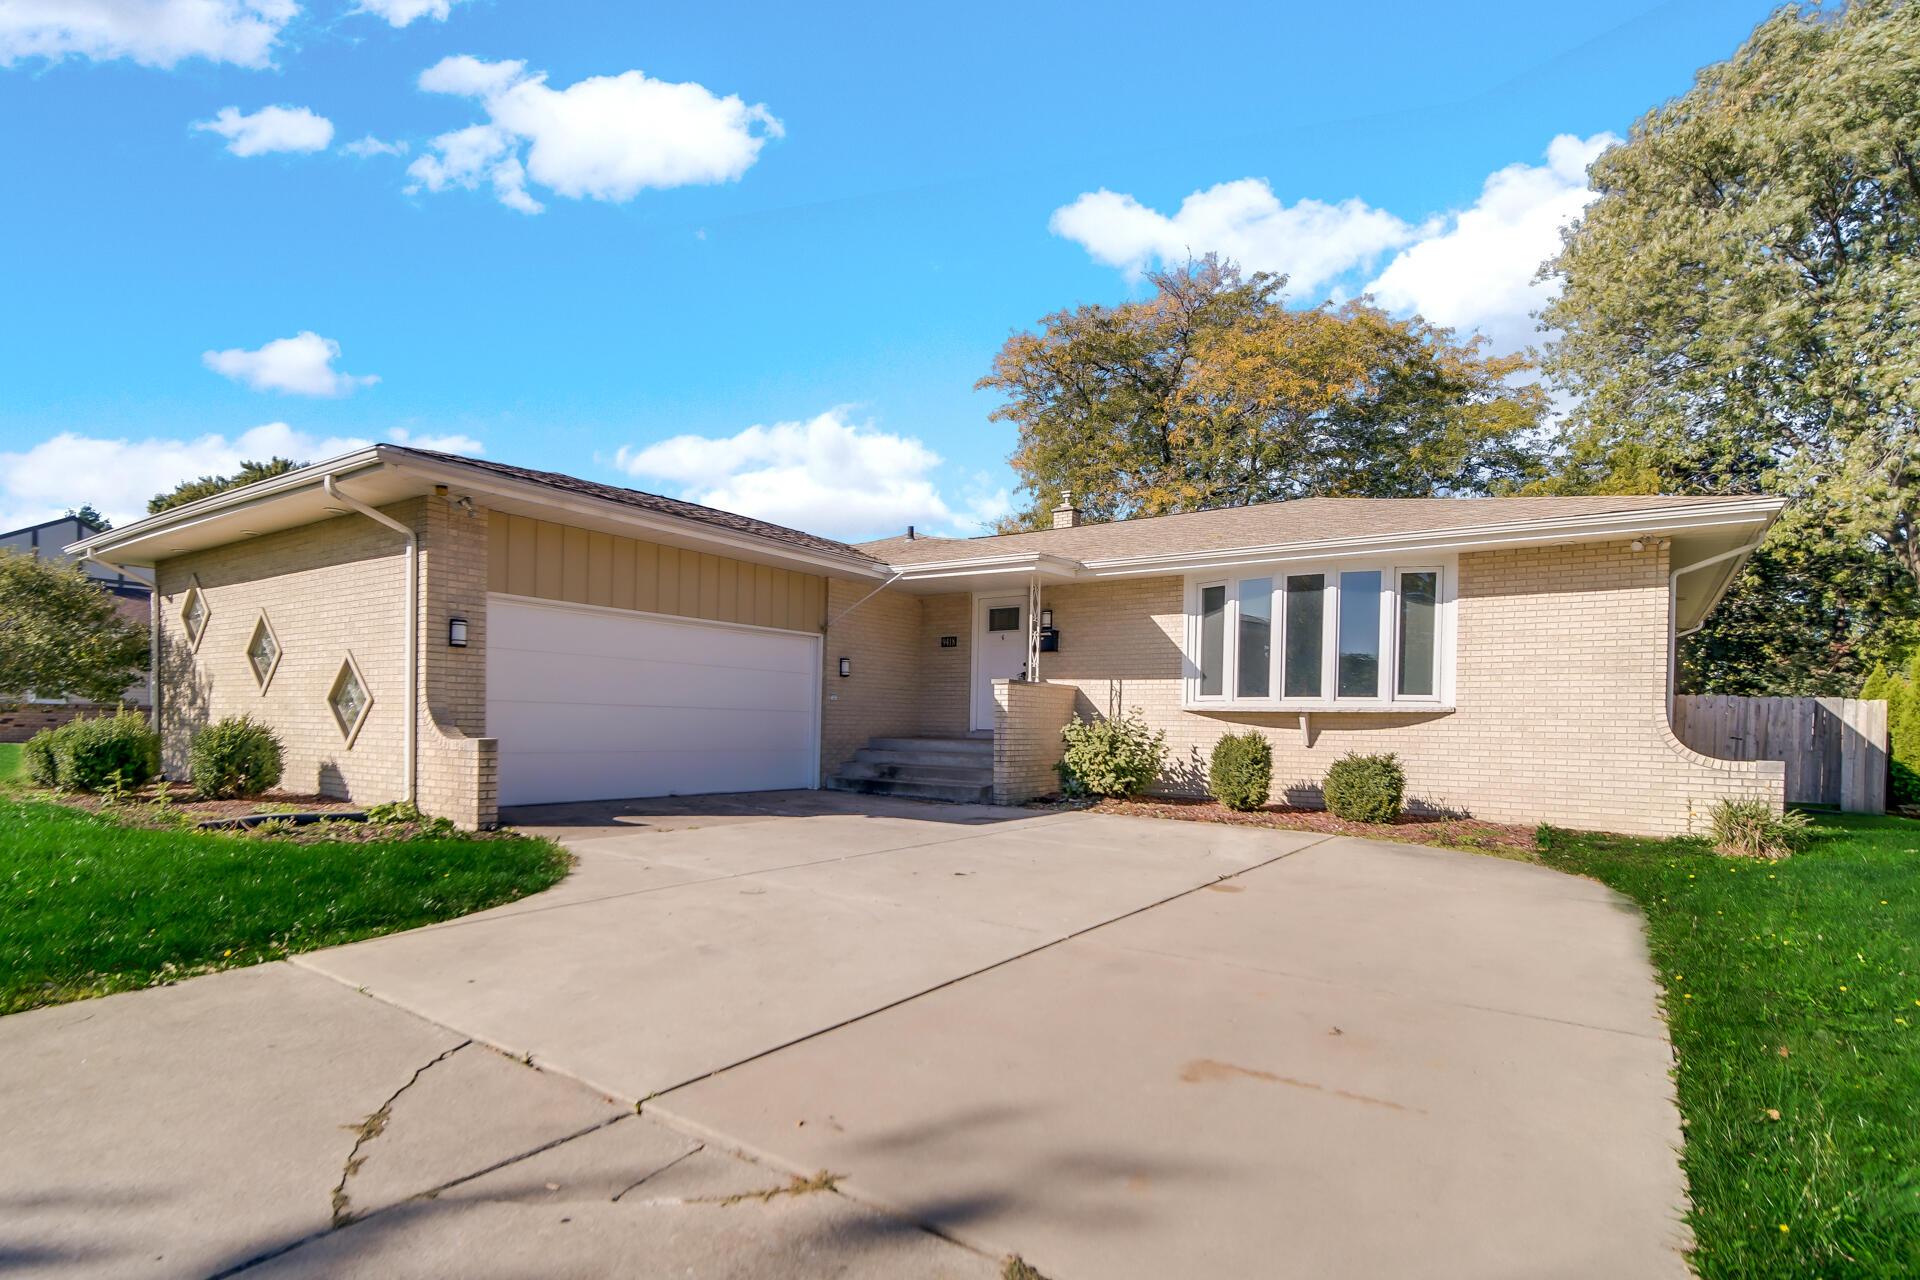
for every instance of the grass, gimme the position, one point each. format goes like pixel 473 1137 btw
pixel 1793 999
pixel 10 770
pixel 90 906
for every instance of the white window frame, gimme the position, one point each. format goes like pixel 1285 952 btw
pixel 1387 697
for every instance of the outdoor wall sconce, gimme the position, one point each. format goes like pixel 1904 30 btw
pixel 457 633
pixel 1046 619
pixel 846 666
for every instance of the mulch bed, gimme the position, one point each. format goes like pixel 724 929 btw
pixel 1453 833
pixel 142 809
pixel 181 800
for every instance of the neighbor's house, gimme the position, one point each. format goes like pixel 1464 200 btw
pixel 478 635
pixel 132 598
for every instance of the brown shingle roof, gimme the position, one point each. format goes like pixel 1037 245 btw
pixel 645 501
pixel 1267 524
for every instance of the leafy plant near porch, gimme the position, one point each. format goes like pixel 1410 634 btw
pixel 1240 774
pixel 1118 756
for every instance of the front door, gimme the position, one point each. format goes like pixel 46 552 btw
pixel 999 650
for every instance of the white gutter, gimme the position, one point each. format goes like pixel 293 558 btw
pixel 1673 610
pixel 413 617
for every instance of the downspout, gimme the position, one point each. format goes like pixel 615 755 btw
pixel 413 616
pixel 1673 613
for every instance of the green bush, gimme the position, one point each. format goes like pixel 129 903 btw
pixel 1365 788
pixel 36 757
pixel 107 751
pixel 1751 829
pixel 1240 775
pixel 1114 757
pixel 1903 733
pixel 237 756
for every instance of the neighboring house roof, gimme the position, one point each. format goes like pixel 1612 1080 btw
pixel 1302 521
pixel 656 503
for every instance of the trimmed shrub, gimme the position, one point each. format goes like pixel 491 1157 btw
pixel 1751 829
pixel 1114 757
pixel 1240 775
pixel 237 756
pixel 36 757
pixel 1903 732
pixel 1365 788
pixel 105 751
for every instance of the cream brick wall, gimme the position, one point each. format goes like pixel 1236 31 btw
pixel 881 697
pixel 1027 719
pixel 946 675
pixel 330 589
pixel 1560 696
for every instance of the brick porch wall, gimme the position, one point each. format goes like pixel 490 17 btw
pixel 1027 719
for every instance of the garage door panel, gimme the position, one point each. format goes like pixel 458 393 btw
pixel 596 705
pixel 646 682
pixel 532 727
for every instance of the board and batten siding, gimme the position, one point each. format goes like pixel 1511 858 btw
pixel 546 561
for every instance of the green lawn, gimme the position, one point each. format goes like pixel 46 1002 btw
pixel 89 906
pixel 1793 990
pixel 9 761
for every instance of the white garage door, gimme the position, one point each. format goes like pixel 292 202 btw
pixel 591 704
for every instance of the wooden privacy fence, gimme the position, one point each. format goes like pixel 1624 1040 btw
pixel 1835 749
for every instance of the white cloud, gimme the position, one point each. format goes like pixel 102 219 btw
pixel 440 444
pixel 1312 242
pixel 1469 270
pixel 119 475
pixel 270 129
pixel 302 365
pixel 372 146
pixel 399 13
pixel 603 138
pixel 155 33
pixel 1478 272
pixel 828 476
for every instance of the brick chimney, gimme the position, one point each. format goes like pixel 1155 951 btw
pixel 1066 515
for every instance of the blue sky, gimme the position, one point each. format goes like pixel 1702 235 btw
pixel 774 248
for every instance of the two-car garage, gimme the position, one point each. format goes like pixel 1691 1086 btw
pixel 593 703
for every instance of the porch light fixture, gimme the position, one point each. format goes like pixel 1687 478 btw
pixel 1046 619
pixel 846 666
pixel 457 633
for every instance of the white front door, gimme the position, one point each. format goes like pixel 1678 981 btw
pixel 999 649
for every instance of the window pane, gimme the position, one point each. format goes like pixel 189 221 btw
pixel 1213 639
pixel 1306 630
pixel 1007 619
pixel 1256 637
pixel 1360 635
pixel 1419 610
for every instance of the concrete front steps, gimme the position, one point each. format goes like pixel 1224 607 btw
pixel 956 769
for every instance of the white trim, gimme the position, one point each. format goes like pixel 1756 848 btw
pixel 818 642
pixel 1387 700
pixel 981 601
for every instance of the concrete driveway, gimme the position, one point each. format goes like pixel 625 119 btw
pixel 1117 1047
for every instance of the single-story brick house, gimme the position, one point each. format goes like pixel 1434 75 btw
pixel 474 635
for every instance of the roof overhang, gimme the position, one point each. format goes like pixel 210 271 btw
pixel 380 476
pixel 1698 532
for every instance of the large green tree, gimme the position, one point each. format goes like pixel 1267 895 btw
pixel 206 486
pixel 1740 311
pixel 61 635
pixel 1212 392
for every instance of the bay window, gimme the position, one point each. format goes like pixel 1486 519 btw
pixel 1366 635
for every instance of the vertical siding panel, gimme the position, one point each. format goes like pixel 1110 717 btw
pixel 621 589
pixel 496 553
pixel 689 604
pixel 522 555
pixel 548 575
pixel 780 603
pixel 727 591
pixel 599 569
pixel 646 577
pixel 709 602
pixel 667 600
pixel 816 609
pixel 762 613
pixel 573 562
